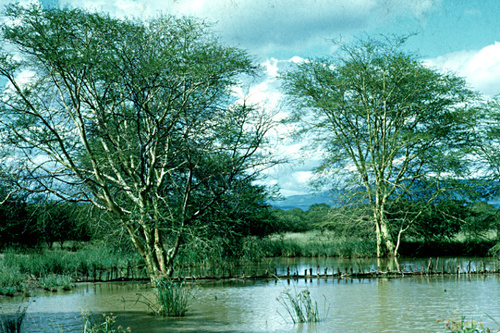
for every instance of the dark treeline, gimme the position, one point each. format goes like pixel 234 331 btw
pixel 29 224
pixel 451 227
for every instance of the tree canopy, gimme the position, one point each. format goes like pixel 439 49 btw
pixel 387 124
pixel 136 117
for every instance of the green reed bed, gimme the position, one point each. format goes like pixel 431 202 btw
pixel 312 244
pixel 56 282
pixel 59 269
pixel 11 281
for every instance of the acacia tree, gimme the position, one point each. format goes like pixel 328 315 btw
pixel 487 150
pixel 387 124
pixel 136 117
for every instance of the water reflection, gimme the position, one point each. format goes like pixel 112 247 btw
pixel 409 304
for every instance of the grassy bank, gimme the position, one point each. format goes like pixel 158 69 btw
pixel 54 270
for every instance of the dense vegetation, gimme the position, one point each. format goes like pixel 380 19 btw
pixel 150 152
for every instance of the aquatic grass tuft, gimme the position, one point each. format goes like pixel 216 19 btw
pixel 105 325
pixel 13 325
pixel 459 324
pixel 172 299
pixel 300 306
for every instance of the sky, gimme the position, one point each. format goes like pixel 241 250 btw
pixel 462 36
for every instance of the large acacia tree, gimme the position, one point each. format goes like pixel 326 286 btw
pixel 390 127
pixel 136 117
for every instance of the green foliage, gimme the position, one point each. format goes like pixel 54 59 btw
pixel 443 220
pixel 292 220
pixel 60 221
pixel 240 213
pixel 350 221
pixel 27 221
pixel 136 117
pixel 297 220
pixel 17 223
pixel 385 121
pixel 431 222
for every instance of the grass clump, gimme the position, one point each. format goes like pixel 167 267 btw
pixel 459 324
pixel 300 306
pixel 107 324
pixel 13 325
pixel 11 281
pixel 172 299
pixel 53 282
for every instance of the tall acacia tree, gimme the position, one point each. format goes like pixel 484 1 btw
pixel 136 117
pixel 387 124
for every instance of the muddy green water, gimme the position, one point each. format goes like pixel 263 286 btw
pixel 410 304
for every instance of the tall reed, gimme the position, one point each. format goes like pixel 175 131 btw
pixel 300 306
pixel 13 325
pixel 173 298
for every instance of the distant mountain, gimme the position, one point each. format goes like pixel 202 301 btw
pixel 303 201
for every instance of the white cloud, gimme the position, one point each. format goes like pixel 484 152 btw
pixel 481 68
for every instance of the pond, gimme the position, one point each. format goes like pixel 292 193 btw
pixel 409 304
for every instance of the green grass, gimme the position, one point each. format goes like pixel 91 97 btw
pixel 59 269
pixel 54 282
pixel 300 306
pixel 12 281
pixel 171 299
pixel 314 244
pixel 328 244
